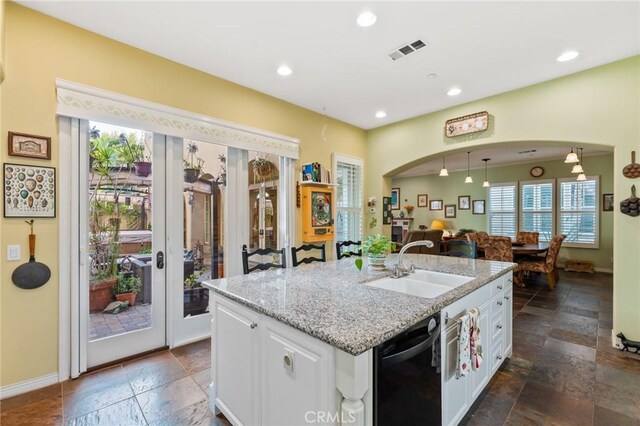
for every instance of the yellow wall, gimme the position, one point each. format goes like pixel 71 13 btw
pixel 40 49
pixel 598 106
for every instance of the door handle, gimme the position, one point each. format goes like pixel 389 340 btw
pixel 160 260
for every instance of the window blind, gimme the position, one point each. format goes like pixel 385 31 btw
pixel 578 212
pixel 348 201
pixel 502 210
pixel 536 208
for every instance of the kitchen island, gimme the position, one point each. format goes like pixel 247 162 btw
pixel 292 341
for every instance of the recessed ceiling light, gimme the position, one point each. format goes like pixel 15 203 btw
pixel 284 70
pixel 381 114
pixel 366 19
pixel 567 56
pixel 432 75
pixel 454 91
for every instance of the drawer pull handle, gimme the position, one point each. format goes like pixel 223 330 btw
pixel 499 357
pixel 510 280
pixel 499 287
pixel 500 302
pixel 253 325
pixel 499 326
pixel 506 297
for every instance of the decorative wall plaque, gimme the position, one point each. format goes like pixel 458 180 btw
pixel 478 122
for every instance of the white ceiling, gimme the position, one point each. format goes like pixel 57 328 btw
pixel 344 70
pixel 499 155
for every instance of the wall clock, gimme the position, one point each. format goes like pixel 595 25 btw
pixel 536 171
pixel 472 123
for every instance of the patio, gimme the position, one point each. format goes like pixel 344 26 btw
pixel 105 325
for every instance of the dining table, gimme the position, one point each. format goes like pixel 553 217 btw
pixel 521 250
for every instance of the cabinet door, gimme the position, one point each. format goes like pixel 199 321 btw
pixel 455 393
pixel 480 377
pixel 291 381
pixel 237 364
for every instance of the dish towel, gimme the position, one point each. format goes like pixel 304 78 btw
pixel 464 349
pixel 474 340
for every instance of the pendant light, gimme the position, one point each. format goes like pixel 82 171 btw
pixel 572 157
pixel 578 167
pixel 444 171
pixel 581 177
pixel 486 179
pixel 468 179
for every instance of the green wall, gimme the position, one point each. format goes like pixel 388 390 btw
pixel 449 188
pixel 596 107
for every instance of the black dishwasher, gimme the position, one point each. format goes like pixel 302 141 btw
pixel 406 382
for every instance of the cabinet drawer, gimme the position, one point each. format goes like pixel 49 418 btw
pixel 497 303
pixel 497 355
pixel 497 326
pixel 498 285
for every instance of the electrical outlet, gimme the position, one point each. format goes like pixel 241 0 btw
pixel 13 252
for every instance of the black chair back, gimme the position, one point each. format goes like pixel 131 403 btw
pixel 307 247
pixel 459 248
pixel 259 266
pixel 348 247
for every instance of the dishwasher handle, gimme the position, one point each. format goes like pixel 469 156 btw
pixel 412 351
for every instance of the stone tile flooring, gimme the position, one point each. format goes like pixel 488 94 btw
pixel 104 325
pixel 563 372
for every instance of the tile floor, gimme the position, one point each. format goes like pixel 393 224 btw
pixel 563 371
pixel 135 318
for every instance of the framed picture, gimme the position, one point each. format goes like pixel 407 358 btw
pixel 23 145
pixel 450 210
pixel 387 217
pixel 607 202
pixel 422 200
pixel 478 206
pixel 395 198
pixel 29 191
pixel 435 205
pixel 464 202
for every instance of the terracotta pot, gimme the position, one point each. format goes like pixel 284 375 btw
pixel 142 168
pixel 127 297
pixel 191 175
pixel 100 294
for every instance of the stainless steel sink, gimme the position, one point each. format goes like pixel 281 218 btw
pixel 426 284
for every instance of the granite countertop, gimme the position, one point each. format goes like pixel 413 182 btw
pixel 329 301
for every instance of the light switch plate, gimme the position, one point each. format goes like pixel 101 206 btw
pixel 13 252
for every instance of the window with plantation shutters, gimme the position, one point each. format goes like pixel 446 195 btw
pixel 578 204
pixel 349 179
pixel 536 208
pixel 502 209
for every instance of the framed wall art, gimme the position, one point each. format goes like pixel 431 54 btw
pixel 422 200
pixel 29 191
pixel 387 217
pixel 395 198
pixel 23 145
pixel 464 202
pixel 435 205
pixel 450 211
pixel 607 202
pixel 478 206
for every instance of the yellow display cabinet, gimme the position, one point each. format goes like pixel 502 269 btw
pixel 317 213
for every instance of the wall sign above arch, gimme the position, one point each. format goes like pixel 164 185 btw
pixel 472 123
pixel 80 101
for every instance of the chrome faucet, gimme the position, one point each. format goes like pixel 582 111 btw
pixel 399 270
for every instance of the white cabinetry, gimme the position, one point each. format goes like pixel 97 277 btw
pixel 265 372
pixel 494 301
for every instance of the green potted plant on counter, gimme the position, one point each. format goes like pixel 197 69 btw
pixel 376 247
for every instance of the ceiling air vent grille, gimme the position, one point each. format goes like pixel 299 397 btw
pixel 406 49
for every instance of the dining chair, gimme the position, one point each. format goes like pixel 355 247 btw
pixel 525 237
pixel 500 248
pixel 472 237
pixel 308 259
pixel 548 264
pixel 262 266
pixel 348 249
pixel 459 248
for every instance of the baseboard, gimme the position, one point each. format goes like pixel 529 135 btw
pixel 28 385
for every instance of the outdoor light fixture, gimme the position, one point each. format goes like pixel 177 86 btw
pixel 572 157
pixel 486 179
pixel 444 171
pixel 468 179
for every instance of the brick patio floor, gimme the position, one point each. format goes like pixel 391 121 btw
pixel 134 318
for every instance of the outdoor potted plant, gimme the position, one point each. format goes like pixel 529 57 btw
pixel 376 247
pixel 262 169
pixel 126 288
pixel 192 166
pixel 196 297
pixel 133 154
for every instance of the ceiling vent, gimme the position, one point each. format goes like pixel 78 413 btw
pixel 406 49
pixel 529 151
